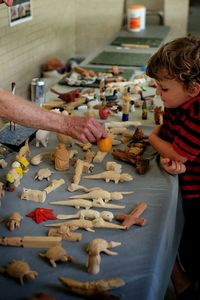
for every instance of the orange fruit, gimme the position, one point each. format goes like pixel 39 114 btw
pixel 104 144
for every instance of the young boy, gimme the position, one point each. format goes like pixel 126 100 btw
pixel 176 70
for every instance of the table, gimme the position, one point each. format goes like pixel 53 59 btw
pixel 145 257
pixel 152 31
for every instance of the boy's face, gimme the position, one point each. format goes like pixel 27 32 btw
pixel 172 93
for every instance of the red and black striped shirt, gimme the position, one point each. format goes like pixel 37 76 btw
pixel 181 127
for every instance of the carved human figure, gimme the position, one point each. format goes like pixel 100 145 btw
pixel 61 158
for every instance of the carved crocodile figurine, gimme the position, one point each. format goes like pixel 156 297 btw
pixel 111 176
pixel 77 203
pixel 99 194
pixel 87 224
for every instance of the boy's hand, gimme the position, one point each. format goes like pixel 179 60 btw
pixel 172 167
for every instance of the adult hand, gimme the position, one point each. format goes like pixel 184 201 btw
pixel 7 2
pixel 85 129
pixel 172 167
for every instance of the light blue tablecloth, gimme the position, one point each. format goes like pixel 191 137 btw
pixel 145 257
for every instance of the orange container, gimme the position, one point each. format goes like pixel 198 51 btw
pixel 136 17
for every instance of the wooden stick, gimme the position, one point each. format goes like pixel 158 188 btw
pixel 135 46
pixel 31 241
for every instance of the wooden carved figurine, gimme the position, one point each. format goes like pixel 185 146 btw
pixel 94 249
pixel 56 253
pixel 14 221
pixel 113 166
pixel 100 194
pixel 37 159
pixel 87 224
pixel 77 203
pixel 42 137
pixel 133 217
pixel 65 233
pixel 92 288
pixel 3 163
pixel 111 176
pixel 25 150
pixel 158 115
pixel 43 174
pixel 54 184
pixel 13 176
pixel 81 167
pixel 24 163
pixel 33 195
pixel 61 158
pixel 88 214
pixel 19 269
pixel 2 192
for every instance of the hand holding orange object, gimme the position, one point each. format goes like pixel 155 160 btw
pixel 104 144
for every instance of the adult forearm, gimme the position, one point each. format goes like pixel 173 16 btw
pixel 24 112
pixel 164 148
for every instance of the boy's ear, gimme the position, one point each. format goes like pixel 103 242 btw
pixel 195 90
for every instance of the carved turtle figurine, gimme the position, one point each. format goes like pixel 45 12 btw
pixel 56 253
pixel 19 269
pixel 43 174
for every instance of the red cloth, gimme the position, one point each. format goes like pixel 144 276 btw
pixel 41 214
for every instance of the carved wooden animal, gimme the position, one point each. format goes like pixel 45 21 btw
pixel 88 214
pixel 33 195
pixel 77 203
pixel 19 269
pixel 54 184
pixel 3 163
pixel 91 288
pixel 158 115
pixel 56 253
pixel 14 221
pixel 65 233
pixel 94 249
pixel 140 163
pixel 113 166
pixel 43 174
pixel 24 150
pixel 111 176
pixel 42 137
pixel 99 194
pixel 2 192
pixel 87 225
pixel 61 158
pixel 37 159
pixel 81 167
pixel 74 187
